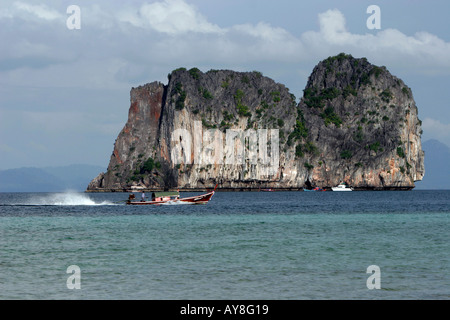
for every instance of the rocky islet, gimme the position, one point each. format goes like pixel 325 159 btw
pixel 356 123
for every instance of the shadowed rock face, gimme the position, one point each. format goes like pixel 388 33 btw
pixel 355 123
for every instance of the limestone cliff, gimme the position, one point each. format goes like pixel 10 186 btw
pixel 364 124
pixel 355 123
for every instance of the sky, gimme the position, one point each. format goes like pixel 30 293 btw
pixel 66 75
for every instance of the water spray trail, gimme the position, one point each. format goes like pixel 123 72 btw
pixel 67 199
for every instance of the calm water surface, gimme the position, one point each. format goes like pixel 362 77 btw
pixel 247 245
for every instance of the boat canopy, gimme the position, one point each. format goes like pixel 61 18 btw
pixel 165 194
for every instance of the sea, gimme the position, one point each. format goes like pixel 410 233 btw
pixel 293 245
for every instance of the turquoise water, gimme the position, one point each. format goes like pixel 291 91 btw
pixel 248 245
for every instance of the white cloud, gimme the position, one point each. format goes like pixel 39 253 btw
pixel 173 17
pixel 436 129
pixel 192 38
pixel 41 11
pixel 424 50
pixel 332 27
pixel 5 13
pixel 264 42
pixel 265 32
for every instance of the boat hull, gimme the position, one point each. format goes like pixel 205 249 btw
pixel 341 189
pixel 201 199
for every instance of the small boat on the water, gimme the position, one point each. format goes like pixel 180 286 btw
pixel 342 187
pixel 315 189
pixel 172 197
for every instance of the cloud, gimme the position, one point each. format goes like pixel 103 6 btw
pixel 264 31
pixel 65 123
pixel 70 81
pixel 194 38
pixel 29 54
pixel 436 129
pixel 40 11
pixel 423 49
pixel 5 149
pixel 175 32
pixel 53 122
pixel 333 29
pixel 173 17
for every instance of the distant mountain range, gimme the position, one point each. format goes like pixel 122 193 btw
pixel 437 161
pixel 77 177
pixel 50 179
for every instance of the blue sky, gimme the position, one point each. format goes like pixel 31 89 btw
pixel 64 94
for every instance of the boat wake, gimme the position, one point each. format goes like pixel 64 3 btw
pixel 66 199
pixel 175 203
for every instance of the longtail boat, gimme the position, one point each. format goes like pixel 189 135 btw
pixel 315 189
pixel 172 197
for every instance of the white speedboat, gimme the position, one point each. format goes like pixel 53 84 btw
pixel 342 187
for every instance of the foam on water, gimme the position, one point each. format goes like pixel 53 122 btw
pixel 67 199
pixel 175 203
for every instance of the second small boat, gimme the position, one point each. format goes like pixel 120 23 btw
pixel 342 187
